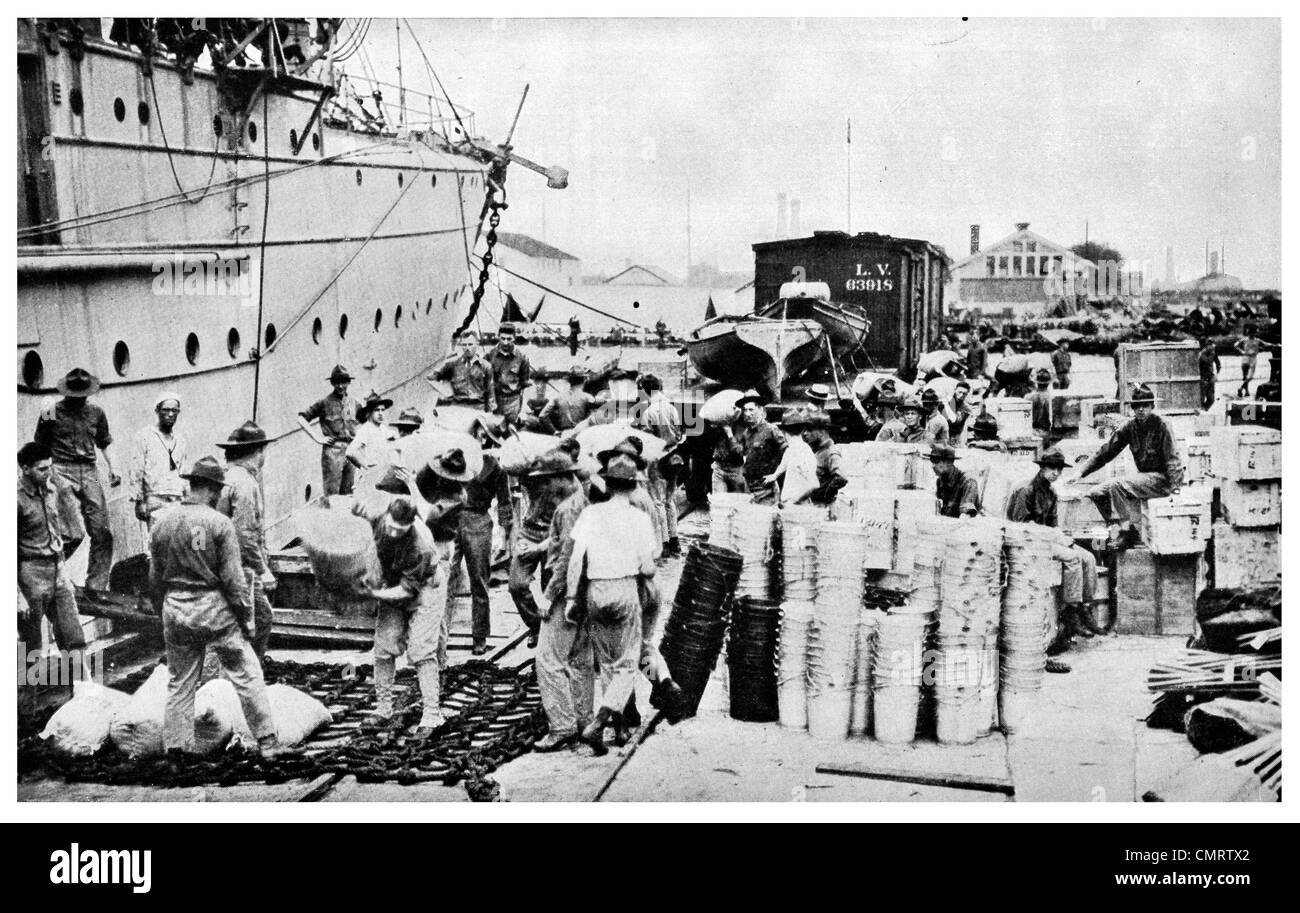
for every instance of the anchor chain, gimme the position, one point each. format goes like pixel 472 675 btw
pixel 495 183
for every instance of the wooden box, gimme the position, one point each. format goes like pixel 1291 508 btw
pixel 1246 452
pixel 1198 458
pixel 1169 369
pixel 1014 416
pixel 1156 594
pixel 1076 515
pixel 1100 416
pixel 1251 503
pixel 1177 525
pixel 1246 557
pixel 1076 451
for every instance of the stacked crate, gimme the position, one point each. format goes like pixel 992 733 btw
pixel 1247 462
pixel 1170 369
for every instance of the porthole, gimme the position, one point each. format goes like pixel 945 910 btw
pixel 293 141
pixel 232 342
pixel 306 495
pixel 343 327
pixel 636 304
pixel 397 316
pixel 401 179
pixel 315 142
pixel 358 177
pixel 316 327
pixel 33 371
pixel 445 299
pixel 142 112
pixel 434 181
pixel 192 349
pixel 270 335
pixel 252 132
pixel 77 101
pixel 379 318
pixel 428 306
pixel 217 126
pixel 121 358
pixel 119 109
pixel 415 311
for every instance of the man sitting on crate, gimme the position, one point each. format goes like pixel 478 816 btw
pixel 1037 503
pixel 1159 469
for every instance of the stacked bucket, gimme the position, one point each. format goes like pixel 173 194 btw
pixel 799 586
pixel 1026 602
pixel 722 510
pixel 694 634
pixel 860 709
pixel 833 635
pixel 751 660
pixel 752 528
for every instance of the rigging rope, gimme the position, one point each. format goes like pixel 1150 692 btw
pixel 551 291
pixel 157 109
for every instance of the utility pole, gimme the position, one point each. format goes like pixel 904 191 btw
pixel 401 86
pixel 848 156
pixel 688 231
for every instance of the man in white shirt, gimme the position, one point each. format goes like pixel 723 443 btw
pixel 797 471
pixel 157 456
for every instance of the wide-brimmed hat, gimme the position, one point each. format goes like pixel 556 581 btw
pixel 408 418
pixel 577 372
pixel 339 375
pixel 929 397
pixel 372 402
pixel 1043 376
pixel 453 466
pixel 78 382
pixel 1052 458
pixel 208 469
pixel 794 419
pixel 619 472
pixel 819 420
pixel 1142 394
pixel 985 423
pixel 555 463
pixel 246 437
pixel 491 425
pixel 942 452
pixel 622 448
pixel 911 402
pixel 819 392
pixel 751 396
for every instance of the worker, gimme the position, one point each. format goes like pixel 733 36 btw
pixel 511 373
pixel 984 434
pixel 42 570
pixel 958 411
pixel 338 414
pixel 72 429
pixel 1061 363
pixel 936 422
pixel 613 553
pixel 369 445
pixel 195 568
pixel 469 374
pixel 977 357
pixel 728 457
pixel 243 502
pixel 1159 469
pixel 550 480
pixel 1248 346
pixel 1036 502
pixel 1040 404
pixel 659 417
pixel 442 485
pixel 1208 362
pixel 1012 375
pixel 797 471
pixel 575 334
pixel 661 330
pixel 762 446
pixel 534 418
pixel 408 422
pixel 830 464
pixel 957 492
pixel 907 428
pixel 409 615
pixel 473 543
pixel 159 453
pixel 568 409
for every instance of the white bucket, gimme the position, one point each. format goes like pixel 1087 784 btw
pixel 829 714
pixel 894 713
pixel 1016 708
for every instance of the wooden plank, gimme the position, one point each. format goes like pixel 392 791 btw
pixel 303 632
pixel 946 779
pixel 326 621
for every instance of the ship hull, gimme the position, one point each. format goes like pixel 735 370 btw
pixel 744 353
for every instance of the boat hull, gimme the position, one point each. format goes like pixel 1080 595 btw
pixel 742 354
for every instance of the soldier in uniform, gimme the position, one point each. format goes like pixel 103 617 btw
pixel 550 480
pixel 1061 364
pixel 830 465
pixel 243 502
pixel 762 445
pixel 338 414
pixel 907 428
pixel 957 492
pixel 470 375
pixel 42 575
pixel 569 409
pixel 511 373
pixel 936 421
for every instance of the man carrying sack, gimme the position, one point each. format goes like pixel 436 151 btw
pixel 195 567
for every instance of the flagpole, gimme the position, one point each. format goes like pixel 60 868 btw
pixel 848 195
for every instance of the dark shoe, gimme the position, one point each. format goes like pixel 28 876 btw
pixel 480 647
pixel 631 716
pixel 1072 618
pixel 668 697
pixel 1088 624
pixel 1055 665
pixel 377 722
pixel 532 640
pixel 674 547
pixel 593 733
pixel 553 742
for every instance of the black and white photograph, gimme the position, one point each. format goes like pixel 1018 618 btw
pixel 641 406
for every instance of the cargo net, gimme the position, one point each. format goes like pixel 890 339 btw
pixel 493 715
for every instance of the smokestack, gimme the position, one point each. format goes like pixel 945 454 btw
pixel 1214 263
pixel 782 226
pixel 1022 226
pixel 974 239
pixel 794 219
pixel 1169 266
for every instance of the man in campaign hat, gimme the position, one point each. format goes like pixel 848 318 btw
pixel 936 422
pixel 244 503
pixel 550 480
pixel 761 445
pixel 1159 467
pixel 338 414
pixel 957 492
pixel 908 427
pixel 158 454
pixel 73 429
pixel 369 445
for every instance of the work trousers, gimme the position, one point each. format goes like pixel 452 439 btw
pixel 725 479
pixel 263 618
pixel 565 673
pixel 509 405
pixel 522 570
pixel 1247 374
pixel 1207 392
pixel 652 662
pixel 1078 574
pixel 337 473
pixel 186 649
pixel 78 484
pixel 1121 499
pixel 45 585
pixel 663 494
pixel 614 619
pixel 474 546
pixel 414 627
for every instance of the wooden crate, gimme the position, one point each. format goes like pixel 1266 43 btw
pixel 1251 503
pixel 1100 417
pixel 1078 450
pixel 1014 415
pixel 1157 362
pixel 1156 594
pixel 1076 515
pixel 1067 411
pixel 1183 422
pixel 1177 525
pixel 1246 557
pixel 1246 452
pixel 1197 451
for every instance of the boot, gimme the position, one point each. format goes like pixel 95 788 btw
pixel 631 716
pixel 430 678
pixel 674 547
pixel 593 734
pixel 1072 617
pixel 385 672
pixel 555 741
pixel 1086 620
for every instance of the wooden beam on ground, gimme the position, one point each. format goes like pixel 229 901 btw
pixel 947 780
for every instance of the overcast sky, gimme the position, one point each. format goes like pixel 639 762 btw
pixel 1153 131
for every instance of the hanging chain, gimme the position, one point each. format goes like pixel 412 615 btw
pixel 495 183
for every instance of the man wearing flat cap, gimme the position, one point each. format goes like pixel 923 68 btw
pixel 243 502
pixel 338 414
pixel 159 453
pixel 1159 468
pixel 73 428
